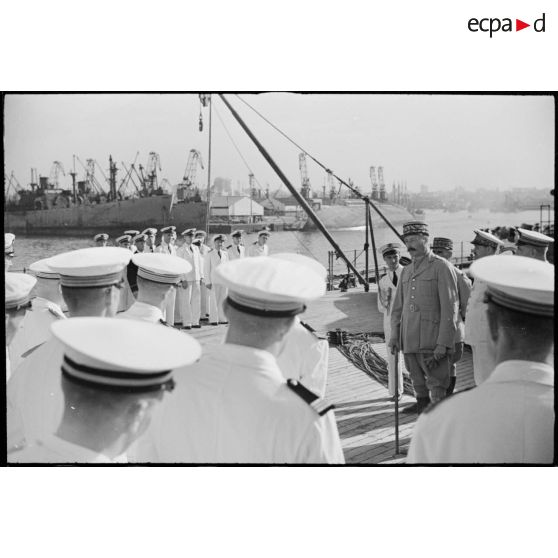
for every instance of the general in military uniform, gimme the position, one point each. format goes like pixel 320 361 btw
pixel 509 418
pixel 424 316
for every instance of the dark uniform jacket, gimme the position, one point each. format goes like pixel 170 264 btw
pixel 424 311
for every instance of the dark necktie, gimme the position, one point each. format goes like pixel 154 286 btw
pixel 395 278
pixel 238 248
pixel 219 253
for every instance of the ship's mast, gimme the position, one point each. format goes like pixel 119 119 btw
pixel 112 178
pixel 73 175
pixel 205 99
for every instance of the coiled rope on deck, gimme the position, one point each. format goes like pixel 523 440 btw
pixel 360 351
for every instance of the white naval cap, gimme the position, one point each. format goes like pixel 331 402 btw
pixel 91 267
pixel 161 268
pixel 533 238
pixel 150 231
pixel 18 287
pixel 118 354
pixel 221 237
pixel 188 232
pixel 521 284
pixel 299 259
pixel 390 247
pixel 238 232
pixel 42 270
pixel 101 236
pixel 123 238
pixel 8 240
pixel 169 229
pixel 483 238
pixel 131 232
pixel 264 232
pixel 269 286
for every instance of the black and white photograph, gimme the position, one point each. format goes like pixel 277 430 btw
pixel 279 278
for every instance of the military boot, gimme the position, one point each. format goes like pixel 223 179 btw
pixel 422 403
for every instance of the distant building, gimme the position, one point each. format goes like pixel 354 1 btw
pixel 423 189
pixel 236 209
pixel 222 186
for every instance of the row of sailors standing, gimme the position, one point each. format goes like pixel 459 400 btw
pixel 99 356
pixel 430 311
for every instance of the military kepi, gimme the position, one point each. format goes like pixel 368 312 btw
pixel 440 243
pixel 118 355
pixel 91 267
pixel 415 227
pixel 533 238
pixel 518 283
pixel 270 287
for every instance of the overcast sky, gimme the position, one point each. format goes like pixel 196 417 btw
pixel 441 141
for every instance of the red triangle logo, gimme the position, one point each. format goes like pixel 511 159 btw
pixel 519 25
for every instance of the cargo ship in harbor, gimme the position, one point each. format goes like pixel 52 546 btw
pixel 45 209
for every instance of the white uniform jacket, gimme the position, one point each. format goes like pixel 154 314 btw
pixel 35 329
pixel 211 262
pixel 142 311
pixel 507 419
pixel 304 357
pixel 235 407
pixel 34 394
pixel 165 248
pixel 386 296
pixel 236 252
pixel 464 291
pixel 55 450
pixel 192 255
pixel 256 250
pixel 476 320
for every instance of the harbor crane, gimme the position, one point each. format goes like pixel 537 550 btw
pixel 56 169
pixel 374 181
pixel 194 159
pixel 305 190
pixel 331 186
pixel 383 196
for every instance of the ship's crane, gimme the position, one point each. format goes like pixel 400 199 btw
pixel 383 196
pixel 166 186
pixel 12 189
pixel 374 181
pixel 194 159
pixel 91 185
pixel 55 171
pixel 331 186
pixel 305 190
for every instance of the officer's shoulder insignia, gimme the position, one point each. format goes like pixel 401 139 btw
pixel 58 314
pixel 311 330
pixel 229 246
pixel 320 405
pixel 433 406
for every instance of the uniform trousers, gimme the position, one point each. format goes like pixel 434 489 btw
pixel 483 362
pixel 217 295
pixel 391 361
pixel 169 307
pixel 204 300
pixel 428 382
pixel 455 358
pixel 190 303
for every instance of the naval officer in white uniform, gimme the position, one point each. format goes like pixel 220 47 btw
pixel 18 287
pixel 260 247
pixel 509 418
pixel 167 246
pixel 387 287
pixel 217 292
pixel 91 279
pixel 476 323
pixel 45 309
pixel 189 293
pixel 236 250
pixel 235 406
pixel 533 244
pixel 158 276
pixel 112 380
pixel 304 356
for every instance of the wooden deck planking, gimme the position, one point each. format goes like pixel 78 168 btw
pixel 364 414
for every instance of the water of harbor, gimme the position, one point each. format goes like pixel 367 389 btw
pixel 455 225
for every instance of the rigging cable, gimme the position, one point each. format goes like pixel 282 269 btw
pixel 257 181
